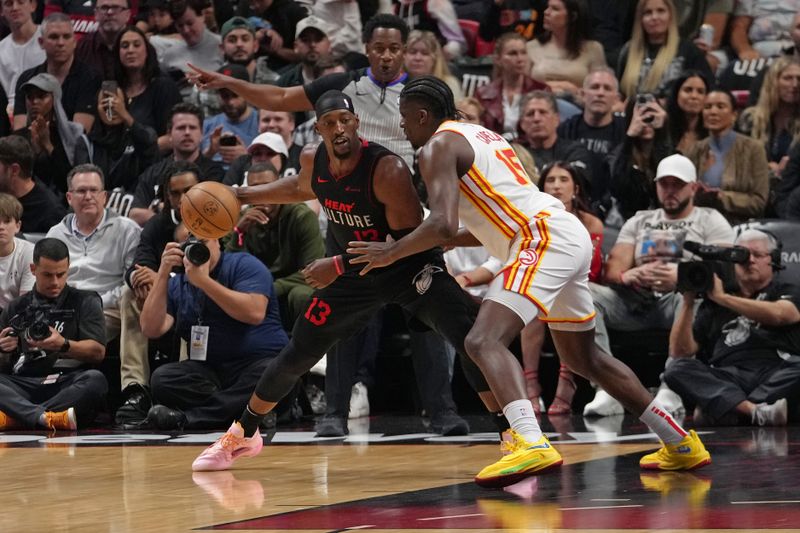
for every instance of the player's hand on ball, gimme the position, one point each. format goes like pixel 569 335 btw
pixel 374 254
pixel 321 272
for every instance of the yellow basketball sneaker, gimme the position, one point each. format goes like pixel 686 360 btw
pixel 688 454
pixel 526 458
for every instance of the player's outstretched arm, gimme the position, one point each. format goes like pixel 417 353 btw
pixel 438 164
pixel 269 97
pixel 288 190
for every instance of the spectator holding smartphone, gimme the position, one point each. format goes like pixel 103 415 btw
pixel 633 163
pixel 226 135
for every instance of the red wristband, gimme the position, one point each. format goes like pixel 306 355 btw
pixel 239 236
pixel 338 262
pixel 467 279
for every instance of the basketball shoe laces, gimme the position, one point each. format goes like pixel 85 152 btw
pixel 511 442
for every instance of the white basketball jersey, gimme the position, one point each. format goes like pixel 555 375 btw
pixel 498 200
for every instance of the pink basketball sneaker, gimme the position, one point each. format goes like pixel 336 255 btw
pixel 229 447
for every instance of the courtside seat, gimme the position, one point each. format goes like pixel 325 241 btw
pixel 476 47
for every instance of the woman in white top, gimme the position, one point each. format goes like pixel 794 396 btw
pixel 563 55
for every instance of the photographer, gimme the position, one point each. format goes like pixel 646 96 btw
pixel 52 333
pixel 224 306
pixel 641 271
pixel 746 337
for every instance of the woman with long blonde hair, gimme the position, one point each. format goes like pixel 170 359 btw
pixel 775 119
pixel 424 57
pixel 656 55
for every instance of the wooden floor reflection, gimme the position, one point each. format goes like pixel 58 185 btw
pixel 419 486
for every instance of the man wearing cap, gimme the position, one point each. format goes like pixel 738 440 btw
pixel 268 147
pixel 79 81
pixel 225 135
pixel 311 42
pixel 53 136
pixel 97 48
pixel 642 269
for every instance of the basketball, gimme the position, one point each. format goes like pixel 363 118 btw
pixel 210 210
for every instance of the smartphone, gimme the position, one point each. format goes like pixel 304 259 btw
pixel 228 139
pixel 643 100
pixel 109 87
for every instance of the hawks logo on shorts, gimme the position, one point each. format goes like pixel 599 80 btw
pixel 528 257
pixel 422 281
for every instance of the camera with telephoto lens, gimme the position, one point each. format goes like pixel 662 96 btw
pixel 195 251
pixel 698 276
pixel 33 324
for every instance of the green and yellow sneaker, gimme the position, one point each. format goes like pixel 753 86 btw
pixel 688 454
pixel 525 459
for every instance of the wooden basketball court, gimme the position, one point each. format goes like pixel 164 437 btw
pixel 394 477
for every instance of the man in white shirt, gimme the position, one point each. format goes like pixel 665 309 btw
pixel 20 50
pixel 641 271
pixel 16 255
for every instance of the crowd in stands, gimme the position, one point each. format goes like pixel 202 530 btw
pixel 655 122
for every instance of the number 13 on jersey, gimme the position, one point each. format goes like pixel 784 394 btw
pixel 510 159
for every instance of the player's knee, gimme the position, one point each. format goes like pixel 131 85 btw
pixel 477 344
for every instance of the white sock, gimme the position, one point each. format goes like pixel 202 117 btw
pixel 522 419
pixel 661 422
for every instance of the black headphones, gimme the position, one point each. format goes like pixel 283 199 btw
pixel 775 255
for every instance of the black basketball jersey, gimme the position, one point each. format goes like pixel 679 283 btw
pixel 349 202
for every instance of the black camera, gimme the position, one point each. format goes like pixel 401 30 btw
pixel 698 276
pixel 195 251
pixel 228 140
pixel 33 323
